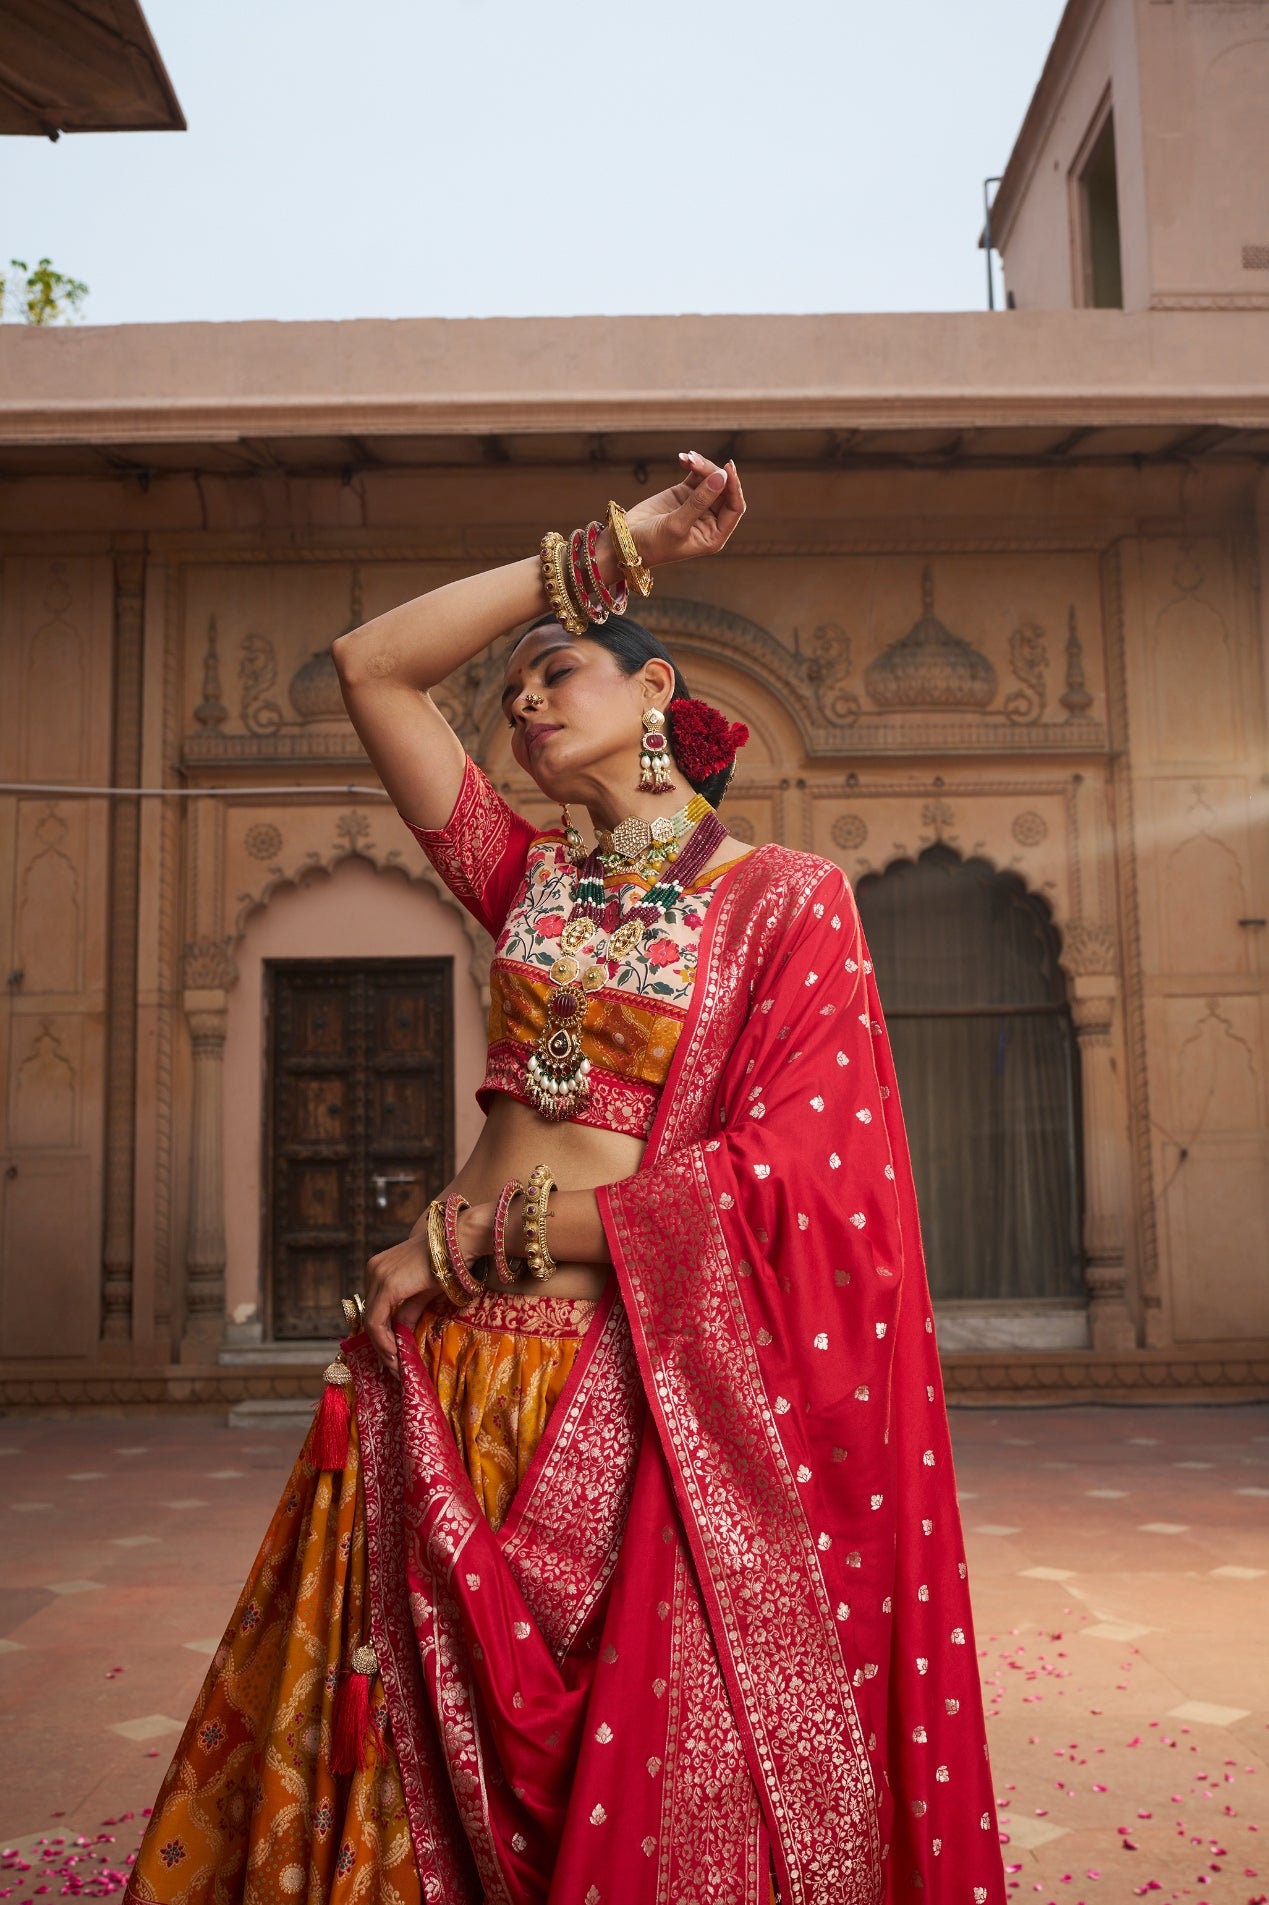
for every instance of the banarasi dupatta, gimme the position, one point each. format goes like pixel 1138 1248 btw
pixel 726 1623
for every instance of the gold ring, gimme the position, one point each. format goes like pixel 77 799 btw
pixel 354 1308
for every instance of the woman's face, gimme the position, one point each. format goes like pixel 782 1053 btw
pixel 587 724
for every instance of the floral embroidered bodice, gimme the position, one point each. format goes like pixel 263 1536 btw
pixel 519 884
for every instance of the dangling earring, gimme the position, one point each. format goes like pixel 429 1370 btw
pixel 574 845
pixel 654 756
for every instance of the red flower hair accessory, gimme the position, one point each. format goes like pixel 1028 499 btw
pixel 704 741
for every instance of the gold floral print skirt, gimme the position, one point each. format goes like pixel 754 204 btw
pixel 498 1369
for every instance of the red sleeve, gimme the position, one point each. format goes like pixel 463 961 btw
pixel 481 852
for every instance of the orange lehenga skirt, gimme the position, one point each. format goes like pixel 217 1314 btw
pixel 249 1810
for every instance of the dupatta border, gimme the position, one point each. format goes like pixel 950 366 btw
pixel 435 1528
pixel 566 1541
pixel 444 1873
pixel 769 1653
pixel 711 1815
pixel 456 1715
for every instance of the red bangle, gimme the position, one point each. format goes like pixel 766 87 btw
pixel 505 1272
pixel 615 604
pixel 470 1285
pixel 589 598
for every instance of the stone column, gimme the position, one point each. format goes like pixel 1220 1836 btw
pixel 207 1016
pixel 1105 1270
pixel 121 1007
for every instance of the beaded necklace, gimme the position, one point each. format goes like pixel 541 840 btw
pixel 558 1070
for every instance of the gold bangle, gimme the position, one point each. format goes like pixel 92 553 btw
pixel 572 588
pixel 555 582
pixel 634 568
pixel 438 1254
pixel 537 1253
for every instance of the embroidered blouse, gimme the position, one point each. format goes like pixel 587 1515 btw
pixel 518 882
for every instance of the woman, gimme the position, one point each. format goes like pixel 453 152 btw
pixel 623 1563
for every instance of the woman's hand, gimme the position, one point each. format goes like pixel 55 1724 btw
pixel 399 1287
pixel 693 518
pixel 400 1283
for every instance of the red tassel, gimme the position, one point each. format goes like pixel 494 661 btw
pixel 353 1731
pixel 333 1420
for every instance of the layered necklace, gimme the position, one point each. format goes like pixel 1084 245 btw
pixel 558 1070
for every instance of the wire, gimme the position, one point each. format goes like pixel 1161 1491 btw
pixel 182 793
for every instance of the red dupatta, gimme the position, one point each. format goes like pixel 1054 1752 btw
pixel 727 1619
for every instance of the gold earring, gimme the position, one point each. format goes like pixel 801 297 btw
pixel 654 756
pixel 574 845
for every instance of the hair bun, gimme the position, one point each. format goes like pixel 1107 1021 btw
pixel 704 741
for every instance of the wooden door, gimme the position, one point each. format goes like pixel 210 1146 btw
pixel 361 1123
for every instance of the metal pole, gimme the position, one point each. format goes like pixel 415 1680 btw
pixel 991 288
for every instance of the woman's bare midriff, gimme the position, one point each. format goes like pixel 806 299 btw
pixel 581 1157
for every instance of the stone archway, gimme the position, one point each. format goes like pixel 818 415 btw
pixel 968 965
pixel 347 910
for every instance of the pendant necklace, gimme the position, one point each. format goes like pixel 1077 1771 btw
pixel 558 1070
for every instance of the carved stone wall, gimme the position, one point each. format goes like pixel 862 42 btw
pixel 894 698
pixel 1078 705
pixel 1196 705
pixel 56 641
pixel 121 1015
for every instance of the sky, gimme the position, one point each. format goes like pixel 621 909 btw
pixel 480 158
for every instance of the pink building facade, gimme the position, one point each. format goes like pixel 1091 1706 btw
pixel 996 621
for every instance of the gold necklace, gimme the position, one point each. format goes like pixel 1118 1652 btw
pixel 643 846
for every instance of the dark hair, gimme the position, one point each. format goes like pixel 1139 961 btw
pixel 631 644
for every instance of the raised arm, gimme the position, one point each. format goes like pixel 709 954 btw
pixel 388 667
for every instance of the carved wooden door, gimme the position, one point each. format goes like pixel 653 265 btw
pixel 361 1127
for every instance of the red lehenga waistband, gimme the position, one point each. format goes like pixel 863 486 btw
pixel 521 1315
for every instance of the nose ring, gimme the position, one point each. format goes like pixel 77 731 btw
pixel 532 702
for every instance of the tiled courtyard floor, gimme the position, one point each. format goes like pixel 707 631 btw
pixel 1120 1565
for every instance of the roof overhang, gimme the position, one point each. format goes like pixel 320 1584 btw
pixel 82 66
pixel 959 387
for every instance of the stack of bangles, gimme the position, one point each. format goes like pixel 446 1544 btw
pixel 574 586
pixel 456 1278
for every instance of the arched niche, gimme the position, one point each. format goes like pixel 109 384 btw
pixel 350 910
pixel 968 964
pixel 1194 684
pixel 410 863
